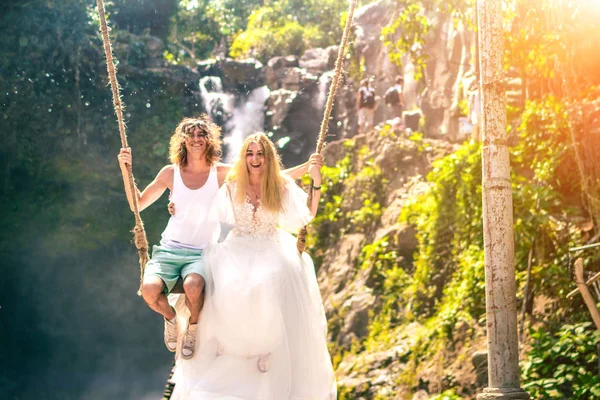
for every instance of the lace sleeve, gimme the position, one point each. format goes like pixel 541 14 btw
pixel 295 213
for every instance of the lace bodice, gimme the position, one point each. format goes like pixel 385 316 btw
pixel 250 221
pixel 247 221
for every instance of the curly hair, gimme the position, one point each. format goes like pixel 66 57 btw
pixel 271 179
pixel 177 150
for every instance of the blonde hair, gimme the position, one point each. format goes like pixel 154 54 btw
pixel 271 185
pixel 177 150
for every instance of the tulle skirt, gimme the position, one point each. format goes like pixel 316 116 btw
pixel 262 298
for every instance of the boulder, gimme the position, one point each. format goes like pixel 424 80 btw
pixel 283 62
pixel 338 265
pixel 480 363
pixel 319 60
pixel 356 319
pixel 421 395
pixel 208 68
pixel 154 47
pixel 293 118
pixel 291 78
pixel 241 75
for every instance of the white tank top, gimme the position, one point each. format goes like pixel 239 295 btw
pixel 190 227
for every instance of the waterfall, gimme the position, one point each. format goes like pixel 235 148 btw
pixel 323 83
pixel 238 117
pixel 217 104
pixel 247 118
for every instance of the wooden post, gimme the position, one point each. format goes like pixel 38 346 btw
pixel 501 299
pixel 585 292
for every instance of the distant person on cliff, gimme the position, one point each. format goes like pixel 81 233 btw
pixel 475 110
pixel 395 99
pixel 193 179
pixel 366 103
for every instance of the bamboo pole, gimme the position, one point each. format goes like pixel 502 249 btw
pixel 500 281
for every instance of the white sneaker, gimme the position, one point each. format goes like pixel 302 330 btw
pixel 170 335
pixel 188 347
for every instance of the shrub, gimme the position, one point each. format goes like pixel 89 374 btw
pixel 563 365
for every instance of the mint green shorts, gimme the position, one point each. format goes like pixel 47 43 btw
pixel 170 264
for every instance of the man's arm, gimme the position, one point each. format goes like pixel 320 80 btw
pixel 156 188
pixel 153 191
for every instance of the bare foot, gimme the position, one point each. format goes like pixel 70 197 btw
pixel 263 362
pixel 220 350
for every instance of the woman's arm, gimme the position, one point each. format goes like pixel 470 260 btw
pixel 298 171
pixel 315 173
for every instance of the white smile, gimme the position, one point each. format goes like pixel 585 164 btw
pixel 255 166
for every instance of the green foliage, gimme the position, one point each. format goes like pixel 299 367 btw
pixel 202 27
pixel 329 222
pixel 407 33
pixel 543 181
pixel 444 288
pixel 448 223
pixel 387 278
pixel 367 186
pixel 263 41
pixel 350 201
pixel 138 16
pixel 553 46
pixel 563 365
pixel 289 27
pixel 447 395
pixel 462 298
pixel 195 31
pixel 417 138
pixel 57 102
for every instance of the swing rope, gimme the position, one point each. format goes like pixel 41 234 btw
pixel 141 243
pixel 301 242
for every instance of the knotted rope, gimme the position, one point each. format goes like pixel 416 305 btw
pixel 301 242
pixel 139 233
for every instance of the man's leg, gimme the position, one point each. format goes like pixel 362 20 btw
pixel 370 118
pixel 160 275
pixel 475 133
pixel 361 120
pixel 193 286
pixel 153 293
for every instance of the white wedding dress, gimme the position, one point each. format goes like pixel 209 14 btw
pixel 261 298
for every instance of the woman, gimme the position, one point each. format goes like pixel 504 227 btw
pixel 263 331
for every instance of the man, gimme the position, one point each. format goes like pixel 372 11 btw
pixel 395 99
pixel 193 179
pixel 366 102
